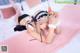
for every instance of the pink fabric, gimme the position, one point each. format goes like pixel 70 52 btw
pixel 70 25
pixel 8 12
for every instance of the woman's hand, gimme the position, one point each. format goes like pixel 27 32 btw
pixel 53 18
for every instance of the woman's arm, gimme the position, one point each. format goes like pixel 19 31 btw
pixel 51 31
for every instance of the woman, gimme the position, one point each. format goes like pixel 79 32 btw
pixel 44 23
pixel 45 27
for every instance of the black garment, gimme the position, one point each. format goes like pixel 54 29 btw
pixel 20 28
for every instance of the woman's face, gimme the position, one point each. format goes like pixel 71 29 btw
pixel 42 22
pixel 25 21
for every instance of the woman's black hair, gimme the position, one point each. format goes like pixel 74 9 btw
pixel 22 17
pixel 40 14
pixel 20 28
